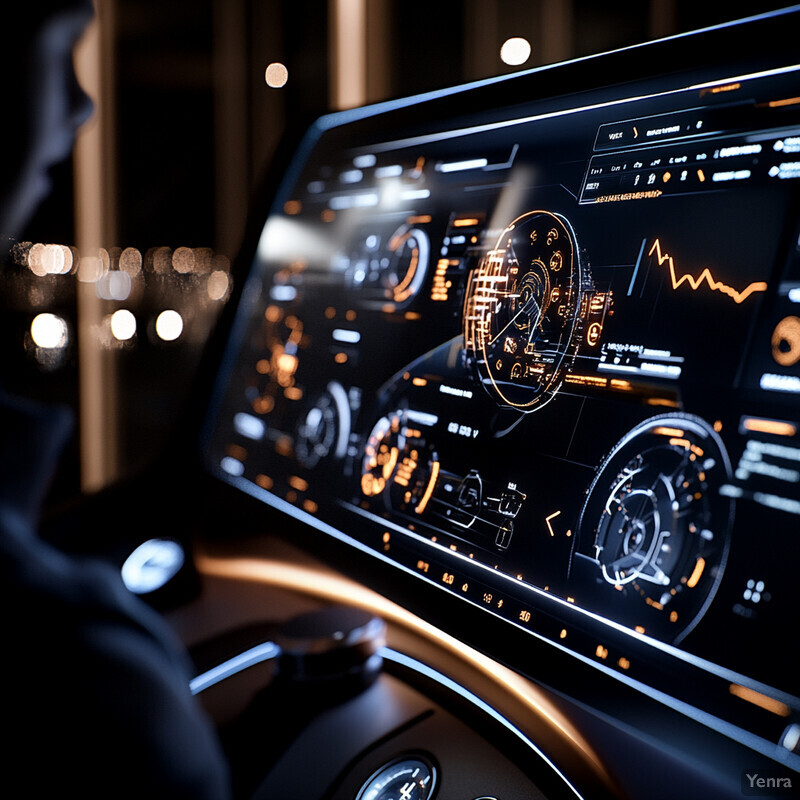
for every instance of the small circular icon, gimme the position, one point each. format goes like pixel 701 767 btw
pixel 786 342
pixel 593 334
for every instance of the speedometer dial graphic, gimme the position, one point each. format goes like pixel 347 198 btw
pixel 521 310
pixel 399 465
pixel 656 525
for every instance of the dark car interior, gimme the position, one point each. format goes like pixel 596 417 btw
pixel 489 485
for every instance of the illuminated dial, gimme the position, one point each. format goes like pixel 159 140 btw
pixel 391 269
pixel 521 310
pixel 325 427
pixel 656 522
pixel 399 465
pixel 411 778
pixel 408 264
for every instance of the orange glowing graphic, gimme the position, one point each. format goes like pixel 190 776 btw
pixel 550 527
pixel 429 489
pixel 403 289
pixel 788 101
pixel 705 277
pixel 786 341
pixel 761 700
pixel 773 426
pixel 694 578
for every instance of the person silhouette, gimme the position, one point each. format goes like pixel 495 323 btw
pixel 96 684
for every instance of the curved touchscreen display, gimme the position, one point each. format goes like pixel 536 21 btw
pixel 548 359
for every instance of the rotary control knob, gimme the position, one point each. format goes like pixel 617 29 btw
pixel 333 645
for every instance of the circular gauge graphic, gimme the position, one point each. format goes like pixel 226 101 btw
pixel 786 342
pixel 325 427
pixel 391 267
pixel 409 253
pixel 399 465
pixel 656 525
pixel 522 309
pixel 407 778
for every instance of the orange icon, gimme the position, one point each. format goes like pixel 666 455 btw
pixel 593 334
pixel 786 342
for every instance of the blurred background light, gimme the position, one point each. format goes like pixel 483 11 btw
pixel 123 325
pixel 218 285
pixel 49 259
pixel 130 261
pixel 114 285
pixel 92 267
pixel 152 565
pixel 276 75
pixel 169 325
pixel 515 51
pixel 49 331
pixel 161 259
pixel 183 260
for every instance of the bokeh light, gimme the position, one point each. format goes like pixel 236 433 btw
pixel 114 285
pixel 515 51
pixel 123 325
pixel 276 75
pixel 218 285
pixel 49 331
pixel 169 325
pixel 49 259
pixel 130 261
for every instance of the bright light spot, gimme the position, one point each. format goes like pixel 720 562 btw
pixel 276 75
pixel 49 331
pixel 49 259
pixel 130 261
pixel 351 176
pixel 114 285
pixel 123 325
pixel 92 268
pixel 36 261
pixel 152 565
pixel 232 466
pixel 169 325
pixel 183 260
pixel 515 51
pixel 390 171
pixel 218 285
pixel 390 193
pixel 57 259
pixel 283 294
pixel 249 426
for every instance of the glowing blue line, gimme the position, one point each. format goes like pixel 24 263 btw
pixel 636 270
pixel 255 655
pixel 471 130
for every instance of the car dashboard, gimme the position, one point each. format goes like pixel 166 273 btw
pixel 516 367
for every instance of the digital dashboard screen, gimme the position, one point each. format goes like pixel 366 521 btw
pixel 547 357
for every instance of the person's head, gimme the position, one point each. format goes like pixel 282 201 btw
pixel 43 105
